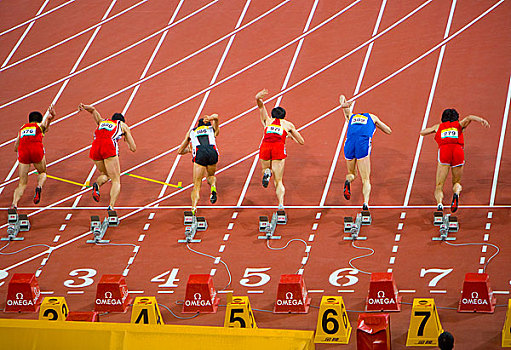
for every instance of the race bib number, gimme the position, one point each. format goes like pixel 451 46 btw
pixel 274 129
pixel 106 125
pixel 451 133
pixel 30 131
pixel 359 119
pixel 201 131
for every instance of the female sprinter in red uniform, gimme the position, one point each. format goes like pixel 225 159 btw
pixel 449 136
pixel 105 151
pixel 29 145
pixel 272 151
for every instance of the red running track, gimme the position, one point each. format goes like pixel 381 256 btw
pixel 471 73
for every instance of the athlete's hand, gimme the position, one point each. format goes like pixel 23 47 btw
pixel 51 111
pixel 485 123
pixel 261 94
pixel 344 103
pixel 83 107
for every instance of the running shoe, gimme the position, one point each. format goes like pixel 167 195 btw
pixel 440 207
pixel 281 207
pixel 454 204
pixel 365 207
pixel 95 192
pixel 213 198
pixel 266 177
pixel 347 191
pixel 37 195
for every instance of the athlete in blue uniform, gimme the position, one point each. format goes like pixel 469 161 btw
pixel 357 147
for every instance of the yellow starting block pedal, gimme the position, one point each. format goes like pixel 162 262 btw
pixel 53 309
pixel 239 314
pixel 146 311
pixel 333 324
pixel 425 324
pixel 506 331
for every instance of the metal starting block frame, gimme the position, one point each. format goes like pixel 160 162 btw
pixel 16 224
pixel 447 224
pixel 353 227
pixel 99 228
pixel 268 227
pixel 193 224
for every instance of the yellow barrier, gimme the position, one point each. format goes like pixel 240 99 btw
pixel 34 334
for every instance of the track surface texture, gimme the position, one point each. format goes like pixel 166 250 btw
pixel 404 61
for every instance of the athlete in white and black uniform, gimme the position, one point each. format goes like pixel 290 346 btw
pixel 201 141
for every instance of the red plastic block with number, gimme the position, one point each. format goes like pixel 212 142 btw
pixel 373 332
pixel 200 295
pixel 112 294
pixel 292 295
pixel 23 293
pixel 477 295
pixel 85 316
pixel 383 294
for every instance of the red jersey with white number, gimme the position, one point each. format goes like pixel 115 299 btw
pixel 109 129
pixel 449 133
pixel 29 133
pixel 275 132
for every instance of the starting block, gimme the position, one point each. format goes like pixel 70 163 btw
pixel 268 227
pixel 193 224
pixel 353 226
pixel 447 224
pixel 99 228
pixel 15 224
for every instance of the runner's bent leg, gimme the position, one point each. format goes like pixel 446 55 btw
pixel 211 169
pixel 41 172
pixel 23 174
pixel 457 173
pixel 352 173
pixel 441 174
pixel 278 171
pixel 266 168
pixel 113 171
pixel 103 177
pixel 198 174
pixel 364 167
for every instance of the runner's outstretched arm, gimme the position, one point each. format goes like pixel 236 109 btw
pixel 128 138
pixel 45 125
pixel 263 113
pixel 430 130
pixel 295 135
pixel 92 110
pixel 381 125
pixel 465 121
pixel 184 147
pixel 346 107
pixel 213 119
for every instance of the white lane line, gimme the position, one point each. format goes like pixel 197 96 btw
pixel 71 37
pixel 136 249
pixel 311 238
pixel 18 43
pixel 222 248
pixel 135 292
pixel 428 106
pixel 300 272
pixel 400 226
pixel 392 260
pixel 234 215
pixel 315 226
pixel 38 273
pixel 212 272
pixel 146 226
pixel 346 291
pixel 217 260
pixel 11 172
pixel 357 89
pixel 125 272
pixel 407 291
pixel 501 147
pixel 68 217
pixel 151 216
pixel 75 292
pixel 438 291
pixel 488 225
pixel 490 214
pixel 255 291
pixel 398 237
pixel 130 260
pixel 47 292
pixel 33 19
pixel 62 227
pixel 394 249
pixel 505 292
pixel 403 215
pixel 141 238
pixel 316 291
pixel 279 99
pixel 165 292
pixel 318 216
pixel 149 63
pixel 308 248
pixel 56 239
pixel 482 260
pixel 304 260
pixel 226 237
pixel 275 96
pixel 225 291
pixel 389 270
pixel 484 248
pixel 206 95
pixel 230 226
pixel 486 237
